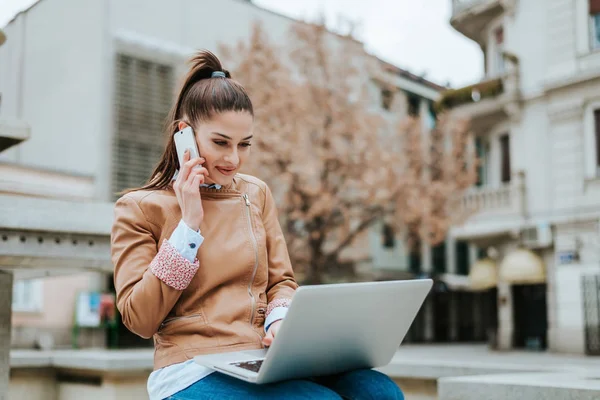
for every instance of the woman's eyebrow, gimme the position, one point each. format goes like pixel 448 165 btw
pixel 227 137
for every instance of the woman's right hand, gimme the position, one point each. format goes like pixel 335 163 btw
pixel 187 190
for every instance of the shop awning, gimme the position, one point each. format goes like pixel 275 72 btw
pixel 483 274
pixel 522 266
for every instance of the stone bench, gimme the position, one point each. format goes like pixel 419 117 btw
pixel 534 386
pixel 424 373
pixel 79 374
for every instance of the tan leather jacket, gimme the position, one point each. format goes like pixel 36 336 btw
pixel 216 304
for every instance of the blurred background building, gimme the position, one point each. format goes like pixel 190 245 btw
pixel 96 92
pixel 522 272
pixel 536 119
pixel 515 274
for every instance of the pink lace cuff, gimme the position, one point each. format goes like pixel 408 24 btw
pixel 172 268
pixel 277 303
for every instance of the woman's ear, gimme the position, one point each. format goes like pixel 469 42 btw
pixel 181 125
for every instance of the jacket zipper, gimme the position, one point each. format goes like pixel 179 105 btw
pixel 255 245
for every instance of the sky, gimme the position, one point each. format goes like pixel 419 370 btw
pixel 414 35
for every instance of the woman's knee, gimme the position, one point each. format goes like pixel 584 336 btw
pixel 302 389
pixel 379 385
pixel 366 384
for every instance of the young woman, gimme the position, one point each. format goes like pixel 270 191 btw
pixel 201 264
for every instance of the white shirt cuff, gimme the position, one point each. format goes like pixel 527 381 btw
pixel 186 241
pixel 275 315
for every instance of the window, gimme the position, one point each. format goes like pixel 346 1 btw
pixel 595 23
pixel 591 139
pixel 438 258
pixel 482 152
pixel 414 257
pixel 27 295
pixel 389 236
pixel 143 96
pixel 387 97
pixel 432 117
pixel 505 158
pixel 414 104
pixel 462 257
pixel 597 139
pixel 498 51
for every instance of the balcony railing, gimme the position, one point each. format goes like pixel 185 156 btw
pixel 492 87
pixel 470 94
pixel 508 199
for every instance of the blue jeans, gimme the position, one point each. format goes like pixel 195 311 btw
pixel 361 384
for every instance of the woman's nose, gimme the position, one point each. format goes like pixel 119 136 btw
pixel 232 158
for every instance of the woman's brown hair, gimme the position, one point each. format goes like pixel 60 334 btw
pixel 201 97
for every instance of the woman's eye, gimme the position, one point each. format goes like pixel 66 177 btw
pixel 220 143
pixel 245 144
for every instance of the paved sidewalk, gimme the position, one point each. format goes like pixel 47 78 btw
pixel 477 356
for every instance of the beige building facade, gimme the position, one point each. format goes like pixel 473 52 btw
pixel 537 204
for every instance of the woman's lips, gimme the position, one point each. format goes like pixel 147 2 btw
pixel 226 172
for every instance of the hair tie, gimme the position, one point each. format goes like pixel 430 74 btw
pixel 218 74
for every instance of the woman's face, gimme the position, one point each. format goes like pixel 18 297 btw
pixel 224 141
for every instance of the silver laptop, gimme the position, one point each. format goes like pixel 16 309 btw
pixel 331 329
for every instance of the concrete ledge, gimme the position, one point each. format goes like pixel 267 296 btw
pixel 53 215
pixel 88 360
pixel 547 386
pixel 40 182
pixel 130 360
pixel 416 369
pixel 426 369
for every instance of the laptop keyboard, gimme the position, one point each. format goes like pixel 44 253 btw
pixel 253 365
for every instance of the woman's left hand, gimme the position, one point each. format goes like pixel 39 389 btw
pixel 268 339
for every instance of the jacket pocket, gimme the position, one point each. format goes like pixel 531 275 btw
pixel 185 333
pixel 174 324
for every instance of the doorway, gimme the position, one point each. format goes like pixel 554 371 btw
pixel 530 318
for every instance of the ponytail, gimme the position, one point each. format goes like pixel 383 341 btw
pixel 207 90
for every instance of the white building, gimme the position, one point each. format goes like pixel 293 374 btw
pixel 536 115
pixel 94 80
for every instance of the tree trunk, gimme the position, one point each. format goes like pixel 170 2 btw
pixel 315 267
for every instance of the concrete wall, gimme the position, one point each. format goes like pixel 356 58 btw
pixel 568 329
pixel 59 62
pixel 529 132
pixel 32 384
pixel 109 389
pixel 48 384
pixel 531 49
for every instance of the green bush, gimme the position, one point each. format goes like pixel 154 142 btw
pixel 456 97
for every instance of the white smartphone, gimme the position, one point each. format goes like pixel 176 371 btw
pixel 185 139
